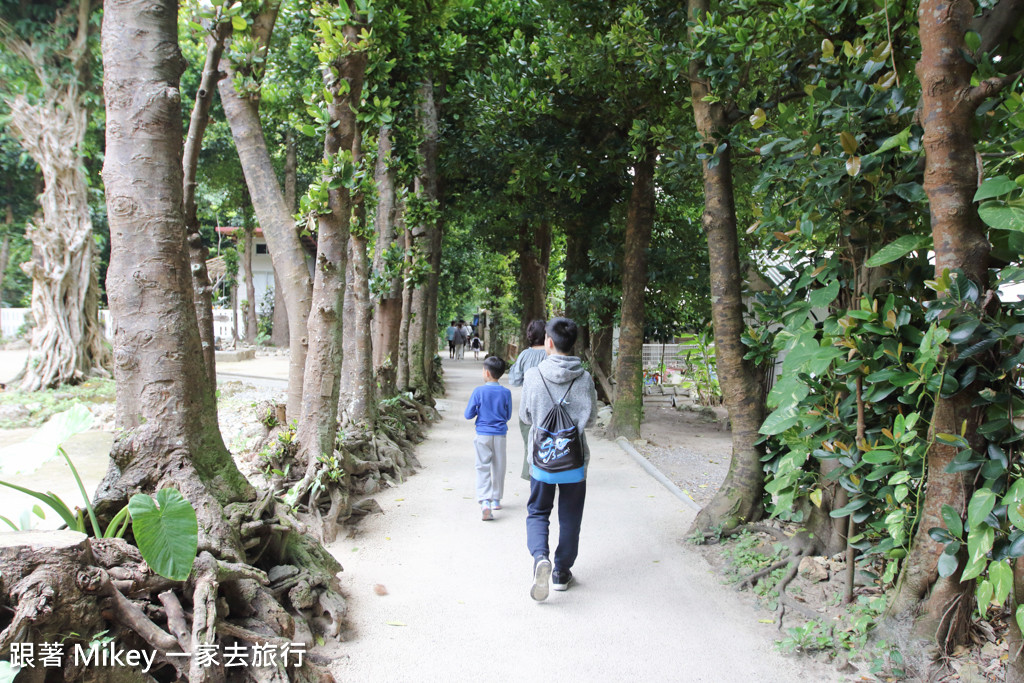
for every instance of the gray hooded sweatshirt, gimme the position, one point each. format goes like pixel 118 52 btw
pixel 580 402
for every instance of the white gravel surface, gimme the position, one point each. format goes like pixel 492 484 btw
pixel 645 606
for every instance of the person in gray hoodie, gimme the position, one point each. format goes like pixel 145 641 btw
pixel 528 358
pixel 561 375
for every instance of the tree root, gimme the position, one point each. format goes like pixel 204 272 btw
pixel 800 545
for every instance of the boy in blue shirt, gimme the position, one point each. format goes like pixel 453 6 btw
pixel 491 405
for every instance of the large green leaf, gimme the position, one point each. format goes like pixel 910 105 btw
pixel 820 298
pixel 166 531
pixel 898 248
pixel 1002 216
pixel 7 672
pixel 1001 576
pixel 780 420
pixel 44 443
pixel 981 504
pixel 994 187
pixel 952 519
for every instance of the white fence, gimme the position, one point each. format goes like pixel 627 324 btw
pixel 672 354
pixel 11 320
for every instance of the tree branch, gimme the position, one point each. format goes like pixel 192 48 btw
pixel 990 87
pixel 997 24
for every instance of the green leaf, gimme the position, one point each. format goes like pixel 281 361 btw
pixel 897 249
pixel 1002 216
pixel 1001 576
pixel 953 522
pixel 820 298
pixel 981 504
pixel 974 569
pixel 899 140
pixel 994 187
pixel 973 40
pixel 947 564
pixel 238 23
pixel 1020 617
pixel 979 542
pixel 984 594
pixel 45 443
pixel 166 531
pixel 55 503
pixel 7 672
pixel 780 420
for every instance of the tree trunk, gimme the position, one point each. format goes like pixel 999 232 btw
pixel 197 251
pixel 534 258
pixel 387 313
pixel 318 424
pixel 67 342
pixel 5 251
pixel 427 244
pixel 279 329
pixel 358 395
pixel 429 183
pixel 628 407
pixel 738 500
pixel 402 379
pixel 273 214
pixel 250 288
pixel 166 409
pixel 950 181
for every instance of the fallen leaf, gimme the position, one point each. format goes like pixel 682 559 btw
pixel 379 589
pixel 354 549
pixel 766 621
pixel 387 538
pixel 395 623
pixel 399 500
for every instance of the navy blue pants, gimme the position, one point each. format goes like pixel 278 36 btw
pixel 570 514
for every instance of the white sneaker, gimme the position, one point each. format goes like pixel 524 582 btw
pixel 541 574
pixel 495 504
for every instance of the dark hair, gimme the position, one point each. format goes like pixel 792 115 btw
pixel 535 333
pixel 494 366
pixel 563 333
pixel 453 322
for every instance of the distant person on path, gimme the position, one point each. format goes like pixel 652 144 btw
pixel 477 346
pixel 450 336
pixel 491 405
pixel 459 340
pixel 528 358
pixel 558 453
pixel 467 330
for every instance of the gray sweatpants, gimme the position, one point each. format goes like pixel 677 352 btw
pixel 490 466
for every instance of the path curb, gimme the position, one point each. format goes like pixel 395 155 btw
pixel 625 445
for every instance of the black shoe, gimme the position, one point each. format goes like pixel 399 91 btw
pixel 560 580
pixel 541 574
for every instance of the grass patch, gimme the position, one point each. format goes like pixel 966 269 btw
pixel 40 406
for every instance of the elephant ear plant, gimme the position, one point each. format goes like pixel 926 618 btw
pixel 164 526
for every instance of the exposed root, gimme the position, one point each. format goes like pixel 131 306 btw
pixel 799 546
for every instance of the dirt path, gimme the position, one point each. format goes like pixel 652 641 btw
pixel 645 606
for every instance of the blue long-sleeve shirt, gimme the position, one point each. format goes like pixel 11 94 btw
pixel 491 405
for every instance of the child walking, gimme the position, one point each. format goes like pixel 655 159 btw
pixel 491 405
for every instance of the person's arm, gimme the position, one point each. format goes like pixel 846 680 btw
pixel 473 409
pixel 515 373
pixel 524 403
pixel 507 412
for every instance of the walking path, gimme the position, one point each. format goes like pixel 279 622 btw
pixel 644 606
